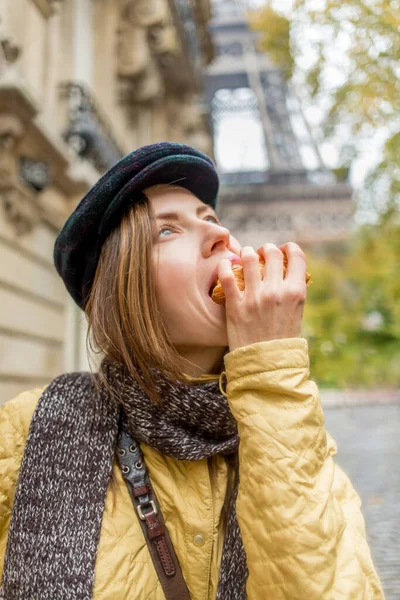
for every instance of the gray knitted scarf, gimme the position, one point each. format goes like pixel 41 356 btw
pixel 66 467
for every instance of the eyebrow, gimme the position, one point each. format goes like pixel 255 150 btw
pixel 174 216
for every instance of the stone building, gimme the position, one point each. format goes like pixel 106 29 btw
pixel 82 83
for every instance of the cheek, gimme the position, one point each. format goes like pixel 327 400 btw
pixel 172 283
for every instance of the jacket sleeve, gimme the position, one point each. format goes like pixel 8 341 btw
pixel 15 417
pixel 300 518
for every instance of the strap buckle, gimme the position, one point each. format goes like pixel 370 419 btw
pixel 142 517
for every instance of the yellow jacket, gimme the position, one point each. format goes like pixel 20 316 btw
pixel 300 518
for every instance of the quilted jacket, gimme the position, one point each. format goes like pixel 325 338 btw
pixel 300 518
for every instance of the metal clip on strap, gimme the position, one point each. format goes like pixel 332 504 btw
pixel 150 518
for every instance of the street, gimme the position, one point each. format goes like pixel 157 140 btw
pixel 368 439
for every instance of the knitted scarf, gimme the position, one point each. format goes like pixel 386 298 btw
pixel 66 467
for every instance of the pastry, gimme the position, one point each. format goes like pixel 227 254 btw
pixel 218 295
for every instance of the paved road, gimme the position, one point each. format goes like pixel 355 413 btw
pixel 368 439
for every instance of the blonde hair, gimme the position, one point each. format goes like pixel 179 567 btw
pixel 124 320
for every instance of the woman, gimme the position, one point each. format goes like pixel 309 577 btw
pixel 244 479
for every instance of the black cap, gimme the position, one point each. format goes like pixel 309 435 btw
pixel 78 245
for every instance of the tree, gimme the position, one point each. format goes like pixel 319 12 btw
pixel 352 313
pixel 347 55
pixel 276 37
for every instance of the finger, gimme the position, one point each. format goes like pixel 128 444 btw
pixel 297 263
pixel 273 268
pixel 251 269
pixel 227 279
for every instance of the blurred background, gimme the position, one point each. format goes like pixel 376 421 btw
pixel 298 102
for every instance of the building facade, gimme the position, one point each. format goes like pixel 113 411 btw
pixel 82 83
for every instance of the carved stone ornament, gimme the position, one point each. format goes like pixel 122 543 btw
pixel 20 203
pixel 146 39
pixel 10 50
pixel 163 40
pixel 146 87
pixel 147 13
pixel 133 51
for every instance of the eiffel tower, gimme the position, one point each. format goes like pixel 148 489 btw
pixel 290 195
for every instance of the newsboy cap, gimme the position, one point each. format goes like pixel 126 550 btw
pixel 78 245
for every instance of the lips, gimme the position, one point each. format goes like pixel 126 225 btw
pixel 235 260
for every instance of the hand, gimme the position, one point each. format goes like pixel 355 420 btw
pixel 270 308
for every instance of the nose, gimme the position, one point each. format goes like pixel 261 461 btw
pixel 217 237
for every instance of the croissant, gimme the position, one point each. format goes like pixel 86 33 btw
pixel 218 295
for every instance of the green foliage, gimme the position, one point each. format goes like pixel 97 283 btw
pixel 342 173
pixel 370 31
pixel 275 39
pixel 354 74
pixel 367 99
pixel 352 314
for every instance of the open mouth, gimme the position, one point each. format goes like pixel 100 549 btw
pixel 215 282
pixel 210 291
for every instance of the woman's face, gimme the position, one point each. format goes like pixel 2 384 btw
pixel 186 252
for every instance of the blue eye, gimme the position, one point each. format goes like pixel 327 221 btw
pixel 170 227
pixel 166 227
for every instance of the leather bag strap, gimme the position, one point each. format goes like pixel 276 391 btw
pixel 150 517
